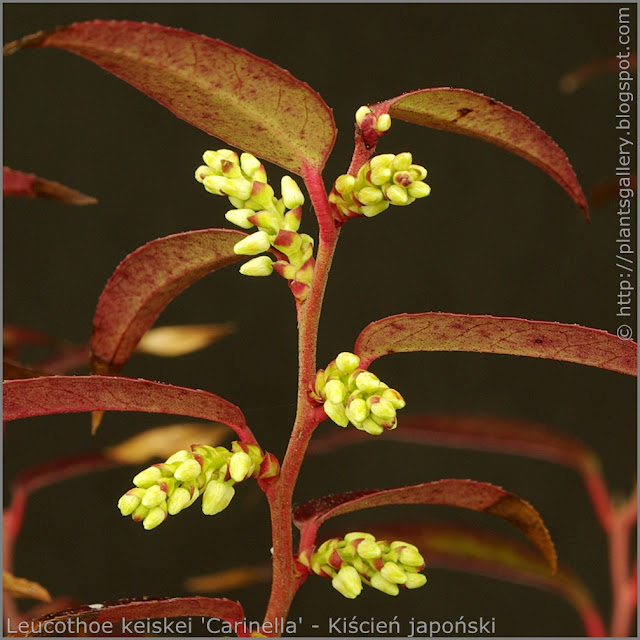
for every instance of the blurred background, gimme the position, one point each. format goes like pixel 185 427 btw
pixel 497 236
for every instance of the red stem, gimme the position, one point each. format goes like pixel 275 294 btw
pixel 280 493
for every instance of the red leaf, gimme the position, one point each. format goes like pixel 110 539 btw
pixel 489 334
pixel 468 494
pixel 14 371
pixel 478 116
pixel 145 282
pixel 108 618
pixel 231 94
pixel 571 82
pixel 16 183
pixel 70 394
pixel 487 553
pixel 483 433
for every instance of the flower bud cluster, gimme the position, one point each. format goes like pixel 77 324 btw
pixel 353 395
pixel 360 558
pixel 244 180
pixel 168 487
pixel 382 181
pixel 381 124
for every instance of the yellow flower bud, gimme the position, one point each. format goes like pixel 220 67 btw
pixel 154 518
pixel 347 362
pixel 415 580
pixel 240 466
pixel 258 267
pixel 178 500
pixel 372 210
pixel 239 217
pixel 419 189
pixel 362 113
pixel 347 581
pixel 380 583
pixel 383 123
pixel 188 471
pixel 249 164
pixel 147 477
pixel 335 391
pixel 217 497
pixel 291 194
pixel 393 573
pixel 251 245
pixel 153 497
pixel 337 413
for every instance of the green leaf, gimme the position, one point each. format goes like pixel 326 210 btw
pixel 489 334
pixel 468 494
pixel 478 116
pixel 227 92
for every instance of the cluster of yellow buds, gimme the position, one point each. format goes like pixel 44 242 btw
pixel 353 395
pixel 168 487
pixel 382 181
pixel 364 117
pixel 243 179
pixel 359 557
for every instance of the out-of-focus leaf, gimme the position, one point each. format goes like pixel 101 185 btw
pixel 478 116
pixel 571 82
pixel 230 579
pixel 609 190
pixel 69 394
pixel 162 442
pixel 483 433
pixel 14 371
pixel 467 494
pixel 14 336
pixel 145 282
pixel 488 334
pixel 179 340
pixel 23 588
pixel 26 185
pixel 474 550
pixel 231 94
pixel 120 611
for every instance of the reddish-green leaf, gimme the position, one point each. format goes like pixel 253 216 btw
pixel 474 550
pixel 483 433
pixel 109 618
pixel 26 185
pixel 489 334
pixel 145 282
pixel 468 494
pixel 69 394
pixel 231 94
pixel 478 116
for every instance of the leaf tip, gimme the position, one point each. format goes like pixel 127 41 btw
pixel 96 421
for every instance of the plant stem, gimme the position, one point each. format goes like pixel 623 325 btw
pixel 280 493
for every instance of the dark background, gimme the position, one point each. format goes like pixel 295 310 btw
pixel 497 236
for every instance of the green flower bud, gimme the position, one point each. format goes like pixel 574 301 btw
pixel 396 195
pixel 229 155
pixel 369 549
pixel 291 194
pixel 178 500
pixel 383 123
pixel 347 362
pixel 239 217
pixel 362 113
pixel 292 219
pixel 261 195
pixel 249 164
pixel 358 535
pixel 411 557
pixel 179 456
pixel 148 477
pixel 203 172
pixel 393 573
pixel 415 580
pixel 372 427
pixel 347 581
pixel 269 221
pixel 357 410
pixel 130 501
pixel 382 409
pixel 153 497
pixel 188 471
pixel 337 413
pixel 367 382
pixel 392 396
pixel 251 245
pixel 378 176
pixel 402 161
pixel 379 582
pixel 240 466
pixel 418 172
pixel 335 391
pixel 344 184
pixel 372 210
pixel 140 513
pixel 260 266
pixel 402 179
pixel 419 189
pixel 155 517
pixel 212 159
pixel 369 195
pixel 217 497
pixel 384 160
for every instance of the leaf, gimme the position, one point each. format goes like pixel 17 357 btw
pixel 13 371
pixel 468 494
pixel 474 550
pixel 110 617
pixel 23 588
pixel 488 334
pixel 483 433
pixel 14 336
pixel 227 92
pixel 478 116
pixel 17 183
pixel 571 82
pixel 234 578
pixel 69 394
pixel 145 282
pixel 180 340
pixel 162 442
